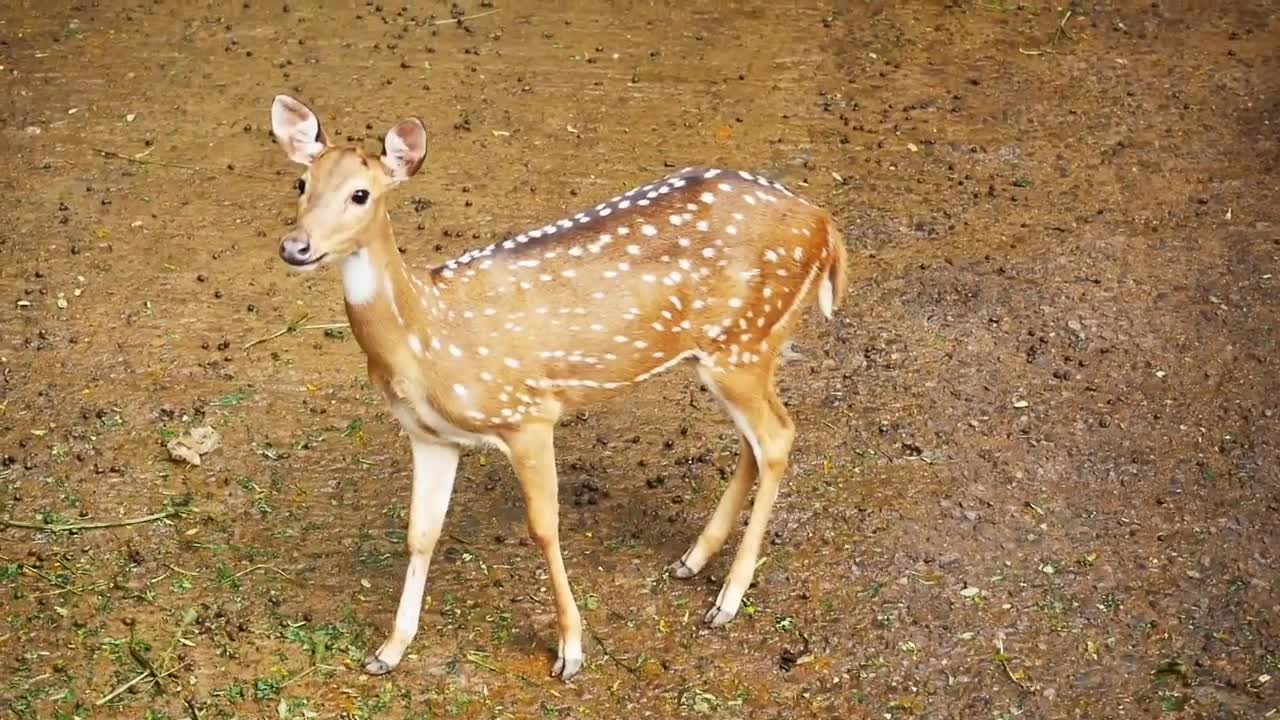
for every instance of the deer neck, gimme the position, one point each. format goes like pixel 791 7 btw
pixel 389 310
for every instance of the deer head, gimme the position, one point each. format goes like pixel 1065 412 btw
pixel 343 192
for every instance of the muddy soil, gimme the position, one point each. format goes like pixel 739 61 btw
pixel 1036 473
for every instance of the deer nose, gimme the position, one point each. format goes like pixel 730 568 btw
pixel 295 248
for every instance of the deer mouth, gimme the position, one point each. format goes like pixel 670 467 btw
pixel 305 264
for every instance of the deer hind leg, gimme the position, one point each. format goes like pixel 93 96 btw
pixel 434 467
pixel 532 452
pixel 748 395
pixel 720 524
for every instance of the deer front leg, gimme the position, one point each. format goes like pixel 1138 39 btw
pixel 532 452
pixel 434 467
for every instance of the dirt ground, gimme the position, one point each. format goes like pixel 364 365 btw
pixel 1036 471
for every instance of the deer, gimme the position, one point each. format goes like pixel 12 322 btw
pixel 705 268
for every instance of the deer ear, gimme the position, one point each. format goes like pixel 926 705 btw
pixel 297 129
pixel 404 148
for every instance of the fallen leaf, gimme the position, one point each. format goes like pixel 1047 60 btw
pixel 178 451
pixel 193 443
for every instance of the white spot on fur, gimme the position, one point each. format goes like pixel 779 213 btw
pixel 359 279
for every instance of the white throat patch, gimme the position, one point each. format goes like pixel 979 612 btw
pixel 359 279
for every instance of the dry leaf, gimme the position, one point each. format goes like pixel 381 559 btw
pixel 178 451
pixel 193 443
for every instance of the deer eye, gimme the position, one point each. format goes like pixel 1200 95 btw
pixel 360 197
pixel 300 185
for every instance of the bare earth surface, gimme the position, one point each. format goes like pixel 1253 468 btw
pixel 1036 472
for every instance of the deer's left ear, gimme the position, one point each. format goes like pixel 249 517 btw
pixel 297 129
pixel 404 148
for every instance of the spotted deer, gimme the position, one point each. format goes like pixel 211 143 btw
pixel 705 267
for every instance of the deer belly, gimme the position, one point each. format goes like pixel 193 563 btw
pixel 423 421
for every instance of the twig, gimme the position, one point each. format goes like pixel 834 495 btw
pixel 144 662
pixel 459 20
pixel 76 590
pixel 290 328
pixel 1003 659
pixel 92 525
pixel 142 676
pixel 605 649
pixel 325 326
pixel 478 659
pixel 305 673
pixel 70 569
pixel 114 693
pixel 61 587
pixel 177 636
pixel 1005 664
pixel 251 568
pixel 1062 29
pixel 36 679
pixel 177 166
pixel 295 327
pixel 46 577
